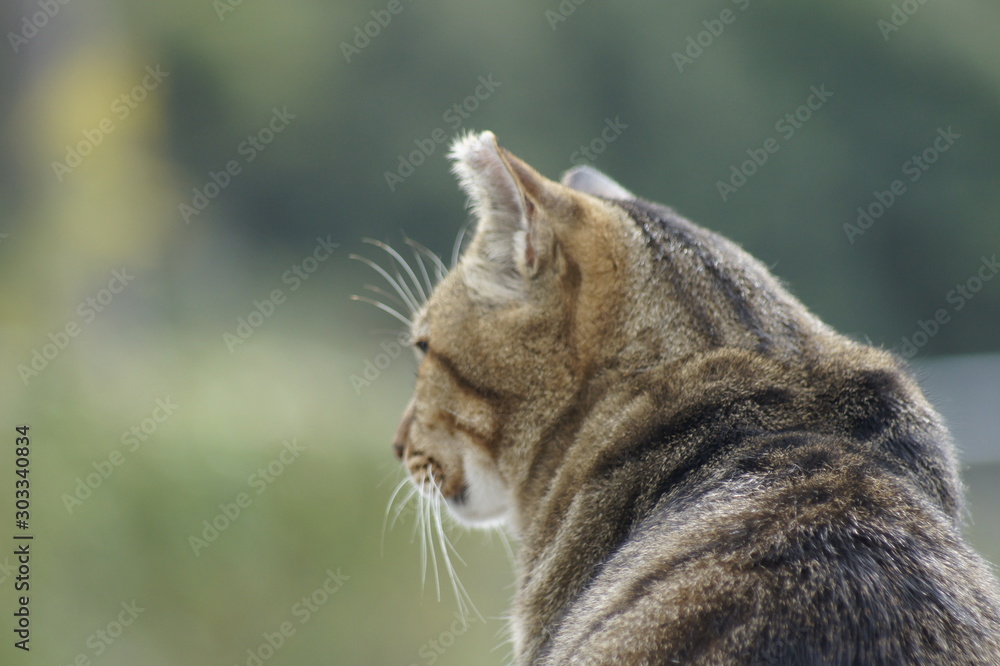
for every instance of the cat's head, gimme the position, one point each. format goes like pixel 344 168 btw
pixel 566 290
pixel 510 335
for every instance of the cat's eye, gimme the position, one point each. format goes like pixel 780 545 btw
pixel 422 346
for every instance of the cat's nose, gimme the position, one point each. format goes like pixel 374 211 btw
pixel 403 432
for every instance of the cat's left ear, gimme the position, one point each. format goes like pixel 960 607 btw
pixel 510 200
pixel 590 180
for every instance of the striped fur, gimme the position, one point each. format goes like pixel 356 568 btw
pixel 698 469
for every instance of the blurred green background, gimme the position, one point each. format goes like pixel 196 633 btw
pixel 168 166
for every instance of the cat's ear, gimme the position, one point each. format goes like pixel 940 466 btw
pixel 513 238
pixel 591 181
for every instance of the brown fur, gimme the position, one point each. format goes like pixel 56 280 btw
pixel 698 469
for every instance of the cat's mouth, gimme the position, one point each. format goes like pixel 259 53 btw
pixel 444 466
pixel 428 474
pixel 477 501
pixel 458 501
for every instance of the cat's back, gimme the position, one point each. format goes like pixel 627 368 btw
pixel 789 530
pixel 813 558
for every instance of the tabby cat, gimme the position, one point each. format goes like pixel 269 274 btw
pixel 699 471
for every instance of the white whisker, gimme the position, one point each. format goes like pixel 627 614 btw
pixel 395 470
pixel 409 292
pixel 388 509
pixel 421 498
pixel 403 506
pixel 467 419
pixel 439 266
pixel 402 262
pixel 461 595
pixel 392 498
pixel 457 249
pixel 384 308
pixel 423 268
pixel 451 546
pixel 417 520
pixel 395 285
pixel 506 544
pixel 506 635
pixel 432 508
pixel 383 292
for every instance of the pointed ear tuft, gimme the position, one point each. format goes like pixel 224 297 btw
pixel 485 178
pixel 589 180
pixel 512 239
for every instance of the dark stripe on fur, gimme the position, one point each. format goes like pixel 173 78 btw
pixel 662 227
pixel 462 381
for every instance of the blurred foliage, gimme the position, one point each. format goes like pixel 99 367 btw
pixel 228 68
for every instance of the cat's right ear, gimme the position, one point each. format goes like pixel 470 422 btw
pixel 486 179
pixel 512 243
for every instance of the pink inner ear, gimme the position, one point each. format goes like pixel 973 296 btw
pixel 529 250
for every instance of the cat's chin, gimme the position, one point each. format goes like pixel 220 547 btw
pixel 485 500
pixel 474 516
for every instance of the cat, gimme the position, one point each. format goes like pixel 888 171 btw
pixel 698 470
